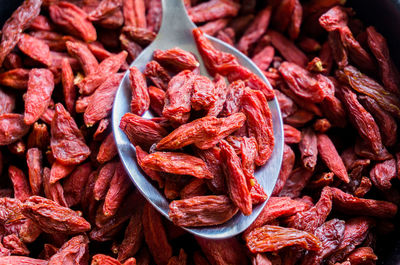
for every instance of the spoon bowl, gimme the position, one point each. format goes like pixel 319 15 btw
pixel 176 31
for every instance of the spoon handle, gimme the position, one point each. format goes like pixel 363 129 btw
pixel 174 17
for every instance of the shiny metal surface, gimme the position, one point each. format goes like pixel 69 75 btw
pixel 176 31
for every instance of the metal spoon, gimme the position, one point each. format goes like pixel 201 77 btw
pixel 176 31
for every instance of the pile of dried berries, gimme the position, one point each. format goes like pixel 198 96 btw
pixel 63 185
pixel 224 151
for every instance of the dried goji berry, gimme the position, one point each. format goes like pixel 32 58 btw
pixel 212 27
pixel 212 10
pixel 154 175
pixel 35 48
pixel 177 163
pixel 41 23
pixel 29 231
pixel 301 102
pixel 73 19
pixel 101 101
pixel 99 51
pixel 130 46
pixel 362 255
pixel 103 180
pixel 120 185
pixel 273 238
pixel 134 236
pixel 75 184
pixel 69 91
pixel 34 163
pixel 314 217
pixel 368 86
pixel 221 91
pixel 335 20
pixel 308 148
pixel 104 9
pixel 362 120
pixel 8 260
pixel 259 120
pixel 212 159
pixel 308 86
pixel 248 154
pixel 85 57
pixel 349 204
pixel 297 18
pixel 140 131
pixel 12 61
pixel 38 95
pixel 386 123
pixel 53 191
pixel 140 35
pixel 330 156
pixel 363 149
pixel 113 224
pixel 53 218
pixel 295 183
pixel 108 150
pixel 286 104
pixel 67 142
pixel 227 35
pixel 15 245
pixel 157 98
pixel 287 49
pixel 224 251
pixel 54 40
pixel 277 207
pixel 363 188
pixel 60 171
pixel 203 93
pixel 154 12
pixel 205 132
pixel 173 185
pixel 114 20
pixel 157 74
pixel 17 23
pixel 155 236
pixel 388 71
pixel 283 13
pixel 233 98
pixel 16 78
pixel 20 183
pixel 263 58
pixel 101 130
pixel 292 135
pixel 74 250
pixel 57 58
pixel 134 13
pixel 214 60
pixel 177 99
pixel 382 173
pixel 196 187
pixel 235 178
pixel 202 210
pixel 48 251
pixel 107 67
pixel 288 160
pixel 330 234
pixel 355 232
pixel 322 125
pixel 255 30
pixel 140 101
pixel 104 259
